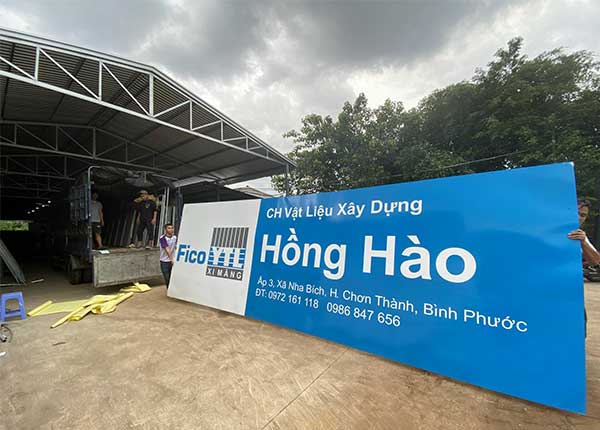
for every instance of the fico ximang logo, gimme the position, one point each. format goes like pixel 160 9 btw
pixel 226 257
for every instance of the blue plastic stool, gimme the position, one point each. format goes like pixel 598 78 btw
pixel 18 296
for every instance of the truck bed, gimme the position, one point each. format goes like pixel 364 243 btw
pixel 125 265
pixel 112 250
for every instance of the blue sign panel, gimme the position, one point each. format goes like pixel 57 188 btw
pixel 471 277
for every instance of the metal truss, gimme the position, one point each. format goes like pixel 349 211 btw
pixel 45 166
pixel 31 186
pixel 29 183
pixel 123 86
pixel 37 196
pixel 33 137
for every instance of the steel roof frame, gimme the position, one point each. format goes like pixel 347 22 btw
pixel 86 154
pixel 39 166
pixel 229 132
pixel 28 183
pixel 91 156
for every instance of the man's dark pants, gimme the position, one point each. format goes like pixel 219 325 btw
pixel 165 268
pixel 145 224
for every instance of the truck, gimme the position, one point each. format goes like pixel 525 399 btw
pixel 118 263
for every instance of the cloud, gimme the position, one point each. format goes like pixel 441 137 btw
pixel 371 34
pixel 111 26
pixel 570 24
pixel 268 63
pixel 222 40
pixel 210 39
pixel 281 59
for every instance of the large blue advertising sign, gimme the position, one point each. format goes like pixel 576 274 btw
pixel 472 277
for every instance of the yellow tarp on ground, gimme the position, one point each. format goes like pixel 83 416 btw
pixel 136 288
pixel 56 308
pixel 98 304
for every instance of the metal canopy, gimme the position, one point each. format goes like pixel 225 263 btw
pixel 64 108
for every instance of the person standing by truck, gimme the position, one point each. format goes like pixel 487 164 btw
pixel 168 243
pixel 97 219
pixel 146 218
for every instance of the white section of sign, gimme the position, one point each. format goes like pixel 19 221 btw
pixel 219 226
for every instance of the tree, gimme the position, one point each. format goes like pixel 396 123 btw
pixel 363 147
pixel 515 112
pixel 335 155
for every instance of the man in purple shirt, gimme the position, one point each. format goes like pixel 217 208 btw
pixel 168 243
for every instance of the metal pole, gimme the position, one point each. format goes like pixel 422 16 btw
pixel 151 94
pixel 100 80
pixel 166 220
pixel 596 229
pixel 163 213
pixel 36 70
pixel 178 209
pixel 88 208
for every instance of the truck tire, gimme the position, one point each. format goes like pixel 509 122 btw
pixel 75 275
pixel 86 277
pixel 56 264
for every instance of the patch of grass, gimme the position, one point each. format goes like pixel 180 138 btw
pixel 14 225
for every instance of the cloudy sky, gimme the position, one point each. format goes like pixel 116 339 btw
pixel 268 63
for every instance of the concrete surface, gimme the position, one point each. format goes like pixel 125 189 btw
pixel 160 363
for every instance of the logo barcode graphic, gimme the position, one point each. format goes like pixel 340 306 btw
pixel 227 254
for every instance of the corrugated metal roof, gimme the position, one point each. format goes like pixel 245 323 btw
pixel 120 112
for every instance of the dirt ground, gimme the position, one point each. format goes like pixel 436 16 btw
pixel 160 363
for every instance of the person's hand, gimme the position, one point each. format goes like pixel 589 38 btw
pixel 102 224
pixel 172 262
pixel 153 222
pixel 577 235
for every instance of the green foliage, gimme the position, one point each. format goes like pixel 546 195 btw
pixel 14 225
pixel 516 112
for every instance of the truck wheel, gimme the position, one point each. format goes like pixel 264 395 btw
pixel 56 264
pixel 86 277
pixel 75 275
